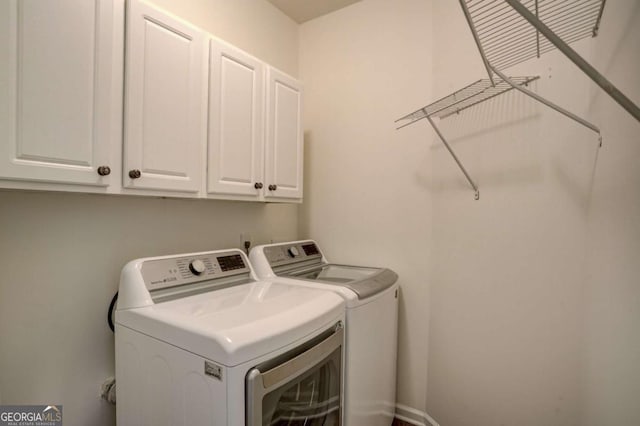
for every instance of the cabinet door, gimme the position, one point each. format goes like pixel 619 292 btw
pixel 283 158
pixel 165 101
pixel 60 89
pixel 236 105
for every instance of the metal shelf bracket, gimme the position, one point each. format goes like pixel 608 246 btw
pixel 460 100
pixel 455 157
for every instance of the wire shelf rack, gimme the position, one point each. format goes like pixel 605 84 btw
pixel 460 100
pixel 508 32
pixel 507 38
pixel 464 98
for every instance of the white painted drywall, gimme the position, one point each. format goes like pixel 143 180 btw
pixel 535 288
pixel 61 253
pixel 529 297
pixel 611 346
pixel 367 199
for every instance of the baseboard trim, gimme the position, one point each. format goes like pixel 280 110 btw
pixel 413 416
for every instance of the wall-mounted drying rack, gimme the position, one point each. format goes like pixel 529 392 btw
pixel 507 32
pixel 464 98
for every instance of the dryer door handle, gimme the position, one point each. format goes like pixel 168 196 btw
pixel 271 379
pixel 260 384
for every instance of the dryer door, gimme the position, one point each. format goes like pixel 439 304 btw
pixel 305 389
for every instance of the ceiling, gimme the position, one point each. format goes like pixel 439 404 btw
pixel 305 10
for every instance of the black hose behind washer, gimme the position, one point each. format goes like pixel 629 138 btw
pixel 112 305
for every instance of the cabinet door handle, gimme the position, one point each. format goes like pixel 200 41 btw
pixel 104 170
pixel 134 174
pixel 273 187
pixel 258 185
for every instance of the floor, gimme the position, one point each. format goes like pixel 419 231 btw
pixel 397 422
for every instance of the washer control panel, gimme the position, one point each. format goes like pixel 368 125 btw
pixel 290 253
pixel 176 271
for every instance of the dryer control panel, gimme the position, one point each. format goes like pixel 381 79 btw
pixel 176 271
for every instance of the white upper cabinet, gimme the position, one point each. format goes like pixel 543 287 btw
pixel 284 156
pixel 60 90
pixel 116 96
pixel 165 101
pixel 236 106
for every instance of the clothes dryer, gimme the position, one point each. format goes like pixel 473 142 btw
pixel 371 297
pixel 201 341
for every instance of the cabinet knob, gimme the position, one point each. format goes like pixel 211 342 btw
pixel 258 185
pixel 273 187
pixel 104 170
pixel 134 174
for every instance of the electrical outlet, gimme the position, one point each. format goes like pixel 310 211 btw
pixel 245 241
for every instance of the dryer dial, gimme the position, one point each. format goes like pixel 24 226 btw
pixel 292 251
pixel 197 267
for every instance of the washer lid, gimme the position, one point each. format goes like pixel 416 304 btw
pixel 304 260
pixel 363 281
pixel 236 324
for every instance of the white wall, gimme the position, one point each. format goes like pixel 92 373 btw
pixel 611 346
pixel 366 195
pixel 534 293
pixel 529 296
pixel 61 253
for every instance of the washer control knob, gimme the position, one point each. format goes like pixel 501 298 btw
pixel 293 252
pixel 197 267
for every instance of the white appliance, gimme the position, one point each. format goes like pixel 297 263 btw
pixel 371 297
pixel 200 341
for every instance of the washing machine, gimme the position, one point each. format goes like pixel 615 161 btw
pixel 371 302
pixel 201 341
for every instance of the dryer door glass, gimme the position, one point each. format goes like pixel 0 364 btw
pixel 311 400
pixel 298 392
